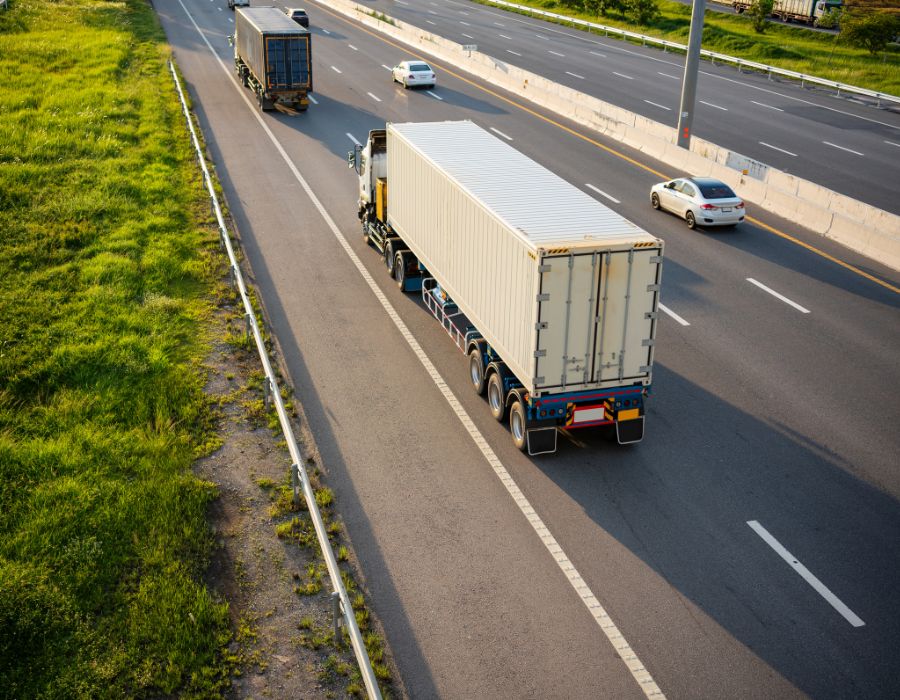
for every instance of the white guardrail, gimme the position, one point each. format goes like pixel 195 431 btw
pixel 712 55
pixel 298 471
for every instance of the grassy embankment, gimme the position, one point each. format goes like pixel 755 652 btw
pixel 107 270
pixel 790 47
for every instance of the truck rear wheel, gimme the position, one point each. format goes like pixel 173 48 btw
pixel 496 399
pixel 389 258
pixel 400 271
pixel 517 425
pixel 476 371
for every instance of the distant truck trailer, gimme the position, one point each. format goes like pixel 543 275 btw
pixel 273 57
pixel 552 296
pixel 806 11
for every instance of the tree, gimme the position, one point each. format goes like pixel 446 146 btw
pixel 870 30
pixel 759 14
pixel 641 11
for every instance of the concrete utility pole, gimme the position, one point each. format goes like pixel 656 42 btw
pixel 689 82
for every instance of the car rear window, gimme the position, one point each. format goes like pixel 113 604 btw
pixel 419 66
pixel 719 191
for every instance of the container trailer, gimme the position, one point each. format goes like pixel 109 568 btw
pixel 807 11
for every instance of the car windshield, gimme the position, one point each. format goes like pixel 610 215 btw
pixel 718 190
pixel 419 66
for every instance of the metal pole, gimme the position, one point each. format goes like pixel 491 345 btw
pixel 689 83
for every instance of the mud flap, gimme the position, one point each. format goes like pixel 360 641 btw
pixel 630 431
pixel 541 441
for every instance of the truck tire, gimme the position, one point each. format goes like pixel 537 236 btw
pixel 517 425
pixel 476 371
pixel 389 258
pixel 496 397
pixel 400 271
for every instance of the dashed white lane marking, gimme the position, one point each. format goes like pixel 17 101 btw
pixel 666 75
pixel 540 36
pixel 465 23
pixel 353 47
pixel 468 36
pixel 219 9
pixel 892 143
pixel 402 2
pixel 775 294
pixel 710 104
pixel 623 649
pixel 849 150
pixel 431 23
pixel 313 99
pixel 763 104
pixel 497 131
pixel 557 53
pixel 336 70
pixel 231 20
pixel 775 148
pixel 575 75
pixel 374 97
pixel 432 12
pixel 671 313
pixel 594 53
pixel 435 96
pixel 386 67
pixel 325 31
pixel 514 53
pixel 817 585
pixel 499 24
pixel 599 191
pixel 668 109
pixel 353 138
pixel 622 75
pixel 503 36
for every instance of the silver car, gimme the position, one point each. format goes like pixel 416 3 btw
pixel 413 74
pixel 701 201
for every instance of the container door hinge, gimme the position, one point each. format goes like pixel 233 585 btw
pixel 644 368
pixel 651 314
pixel 656 260
pixel 648 342
pixel 544 268
pixel 652 287
pixel 541 325
pixel 543 297
pixel 540 353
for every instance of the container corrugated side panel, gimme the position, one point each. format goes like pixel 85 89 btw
pixel 249 41
pixel 487 269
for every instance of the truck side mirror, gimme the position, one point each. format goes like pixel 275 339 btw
pixel 351 159
pixel 231 39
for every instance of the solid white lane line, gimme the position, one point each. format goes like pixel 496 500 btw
pixel 599 191
pixel 468 36
pixel 761 104
pixel 817 585
pixel 778 296
pixel 313 99
pixel 352 138
pixel 575 75
pixel 710 104
pixel 769 145
pixel 353 47
pixel 513 52
pixel 336 70
pixel 892 143
pixel 503 36
pixel 623 649
pixel 671 313
pixel 669 109
pixel 497 131
pixel 849 150
pixel 601 55
pixel 374 97
pixel 666 75
pixel 557 53
pixel 437 97
pixel 622 75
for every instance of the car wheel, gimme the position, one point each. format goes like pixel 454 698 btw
pixel 690 219
pixel 654 200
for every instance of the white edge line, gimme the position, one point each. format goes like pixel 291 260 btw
pixel 623 649
pixel 807 575
pixel 599 191
pixel 778 296
pixel 671 313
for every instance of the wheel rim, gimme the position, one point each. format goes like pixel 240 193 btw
pixel 400 269
pixel 494 395
pixel 475 371
pixel 691 221
pixel 654 201
pixel 517 425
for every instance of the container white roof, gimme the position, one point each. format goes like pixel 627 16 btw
pixel 271 20
pixel 545 209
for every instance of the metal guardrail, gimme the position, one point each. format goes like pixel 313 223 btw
pixel 298 471
pixel 712 55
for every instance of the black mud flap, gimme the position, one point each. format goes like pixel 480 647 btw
pixel 630 431
pixel 541 441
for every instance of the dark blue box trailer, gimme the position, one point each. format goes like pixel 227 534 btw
pixel 273 57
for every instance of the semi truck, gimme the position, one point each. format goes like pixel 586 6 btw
pixel 273 57
pixel 807 11
pixel 552 296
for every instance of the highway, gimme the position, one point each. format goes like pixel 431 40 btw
pixel 770 426
pixel 848 147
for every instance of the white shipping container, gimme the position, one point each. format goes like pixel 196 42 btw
pixel 563 288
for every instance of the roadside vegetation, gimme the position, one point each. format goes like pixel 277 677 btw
pixel 793 48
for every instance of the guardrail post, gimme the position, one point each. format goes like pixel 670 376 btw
pixel 267 393
pixel 336 612
pixel 248 323
pixel 295 483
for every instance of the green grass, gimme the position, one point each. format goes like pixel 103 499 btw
pixel 790 47
pixel 107 271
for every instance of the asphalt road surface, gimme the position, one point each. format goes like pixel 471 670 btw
pixel 839 143
pixel 771 432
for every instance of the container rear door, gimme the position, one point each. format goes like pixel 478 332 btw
pixel 288 62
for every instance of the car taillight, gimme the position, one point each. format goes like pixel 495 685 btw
pixel 739 205
pixel 708 206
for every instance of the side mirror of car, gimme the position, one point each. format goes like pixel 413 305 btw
pixel 670 185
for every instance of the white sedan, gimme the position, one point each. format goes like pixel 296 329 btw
pixel 413 74
pixel 700 201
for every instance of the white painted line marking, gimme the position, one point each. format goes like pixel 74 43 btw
pixel 326 31
pixel 497 131
pixel 336 70
pixel 464 13
pixel 353 138
pixel 849 150
pixel 437 97
pixel 374 97
pixel 671 313
pixel 513 52
pixel 432 12
pixel 465 23
pixel 761 104
pixel 575 75
pixel 622 75
pixel 668 109
pixel 497 24
pixel 431 23
pixel 402 2
pixel 468 36
pixel 817 585
pixel 769 145
pixel 710 104
pixel 599 191
pixel 778 296
pixel 503 36
pixel 595 609
pixel 666 75
pixel 545 38
pixel 386 67
pixel 313 99
pixel 219 9
pixel 594 53
pixel 353 47
pixel 231 20
pixel 557 53
pixel 892 143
